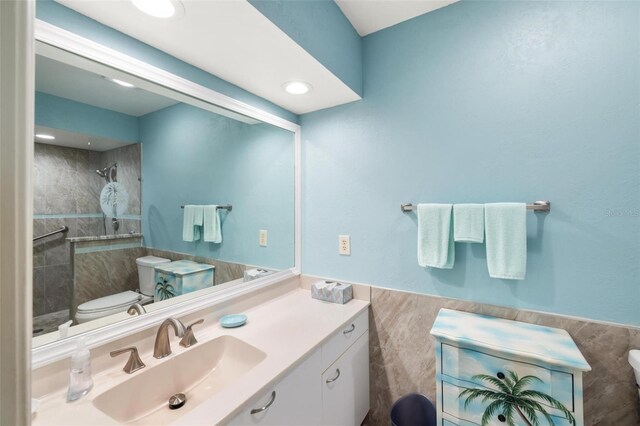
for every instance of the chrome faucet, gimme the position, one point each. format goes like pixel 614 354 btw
pixel 162 347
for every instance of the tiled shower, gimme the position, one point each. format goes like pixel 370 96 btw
pixel 67 193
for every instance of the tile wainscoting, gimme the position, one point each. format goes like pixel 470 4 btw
pixel 403 360
pixel 102 267
pixel 225 271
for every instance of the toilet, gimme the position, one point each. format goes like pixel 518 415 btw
pixel 120 302
pixel 634 360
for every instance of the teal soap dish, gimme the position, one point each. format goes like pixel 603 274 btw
pixel 233 321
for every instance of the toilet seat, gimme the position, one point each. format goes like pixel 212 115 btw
pixel 108 305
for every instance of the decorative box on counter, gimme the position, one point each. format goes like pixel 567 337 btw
pixel 332 291
pixel 181 277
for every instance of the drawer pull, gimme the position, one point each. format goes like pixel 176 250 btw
pixel 335 378
pixel 500 375
pixel 502 418
pixel 353 327
pixel 266 406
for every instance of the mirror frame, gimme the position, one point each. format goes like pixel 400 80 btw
pixel 73 43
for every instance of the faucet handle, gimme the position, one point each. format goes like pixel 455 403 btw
pixel 189 338
pixel 136 308
pixel 134 363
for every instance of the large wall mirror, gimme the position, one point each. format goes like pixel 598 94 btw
pixel 145 195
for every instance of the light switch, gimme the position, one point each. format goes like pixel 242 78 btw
pixel 262 240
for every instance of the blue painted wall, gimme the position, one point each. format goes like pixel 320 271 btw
pixel 70 20
pixel 61 113
pixel 192 156
pixel 320 28
pixel 484 102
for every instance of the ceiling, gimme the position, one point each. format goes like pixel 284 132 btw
pixel 150 94
pixel 59 79
pixel 369 16
pixel 232 40
pixel 77 140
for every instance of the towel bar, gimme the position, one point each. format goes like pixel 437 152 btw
pixel 227 207
pixel 536 206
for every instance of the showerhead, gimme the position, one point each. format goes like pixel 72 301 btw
pixel 110 173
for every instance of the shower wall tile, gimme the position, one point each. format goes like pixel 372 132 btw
pixel 402 358
pixel 65 183
pixel 129 226
pixel 60 179
pixel 105 273
pixel 89 226
pixel 38 291
pixel 39 179
pixel 38 246
pixel 56 247
pixel 57 287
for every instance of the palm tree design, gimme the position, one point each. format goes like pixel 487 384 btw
pixel 512 397
pixel 164 289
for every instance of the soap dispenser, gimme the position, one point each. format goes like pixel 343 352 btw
pixel 80 381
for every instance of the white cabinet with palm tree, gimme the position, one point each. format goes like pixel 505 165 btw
pixel 492 371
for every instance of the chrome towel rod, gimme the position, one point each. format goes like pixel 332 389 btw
pixel 62 230
pixel 227 207
pixel 536 206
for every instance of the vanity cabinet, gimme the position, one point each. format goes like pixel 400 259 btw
pixel 345 386
pixel 292 401
pixel 330 387
pixel 477 352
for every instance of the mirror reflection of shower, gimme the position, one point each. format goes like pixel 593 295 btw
pixel 110 174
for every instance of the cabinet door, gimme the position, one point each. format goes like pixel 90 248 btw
pixel 345 386
pixel 295 400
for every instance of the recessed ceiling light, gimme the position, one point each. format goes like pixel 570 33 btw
pixel 45 136
pixel 157 8
pixel 297 87
pixel 119 82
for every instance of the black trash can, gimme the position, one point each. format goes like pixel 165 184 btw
pixel 413 410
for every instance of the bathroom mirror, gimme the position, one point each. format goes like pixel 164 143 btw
pixel 144 194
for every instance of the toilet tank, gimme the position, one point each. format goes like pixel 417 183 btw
pixel 146 272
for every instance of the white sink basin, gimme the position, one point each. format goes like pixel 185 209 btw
pixel 199 372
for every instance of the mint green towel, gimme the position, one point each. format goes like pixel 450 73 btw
pixel 191 223
pixel 506 234
pixel 212 228
pixel 435 236
pixel 468 223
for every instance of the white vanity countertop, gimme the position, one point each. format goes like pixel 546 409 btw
pixel 285 328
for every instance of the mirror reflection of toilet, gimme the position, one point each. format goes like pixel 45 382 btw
pixel 634 360
pixel 120 302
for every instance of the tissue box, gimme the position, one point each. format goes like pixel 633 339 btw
pixel 331 291
pixel 254 274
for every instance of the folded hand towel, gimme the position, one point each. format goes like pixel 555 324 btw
pixel 468 223
pixel 192 221
pixel 212 228
pixel 506 234
pixel 435 236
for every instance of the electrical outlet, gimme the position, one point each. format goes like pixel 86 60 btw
pixel 344 245
pixel 262 240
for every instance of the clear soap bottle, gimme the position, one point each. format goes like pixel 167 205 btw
pixel 80 381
